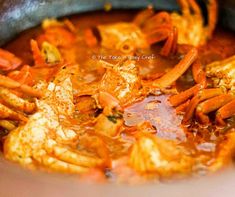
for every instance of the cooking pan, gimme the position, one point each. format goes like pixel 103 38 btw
pixel 18 15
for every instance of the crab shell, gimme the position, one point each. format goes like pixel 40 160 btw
pixel 153 154
pixel 43 140
pixel 122 35
pixel 222 73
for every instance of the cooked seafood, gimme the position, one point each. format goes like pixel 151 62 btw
pixel 220 95
pixel 121 98
pixel 12 106
pixel 191 23
pixel 48 142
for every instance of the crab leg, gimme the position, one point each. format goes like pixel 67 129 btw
pixel 106 99
pixel 159 28
pixel 6 113
pixel 87 89
pixel 167 48
pixel 199 75
pixel 226 111
pixel 162 33
pixel 7 125
pixel 195 8
pixel 171 76
pixel 174 47
pixel 176 100
pixel 212 9
pixel 161 19
pixel 37 55
pixel 182 108
pixel 187 5
pixel 202 95
pixel 184 6
pixel 73 157
pixel 143 16
pixel 15 101
pixel 10 83
pixel 200 78
pixel 212 105
pixel 58 165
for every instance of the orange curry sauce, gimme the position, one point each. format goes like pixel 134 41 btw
pixel 203 142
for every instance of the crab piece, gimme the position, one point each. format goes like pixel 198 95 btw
pixel 125 84
pixel 214 104
pixel 8 61
pixel 146 29
pixel 59 34
pixel 190 24
pixel 90 38
pixel 225 112
pixel 125 37
pixel 49 55
pixel 222 73
pixel 151 154
pixel 106 99
pixel 181 101
pixel 23 76
pixel 221 97
pixel 170 77
pixel 16 102
pixel 112 97
pixel 9 83
pixel 8 125
pixel 124 89
pixel 204 102
pixel 156 28
pixel 12 106
pixel 109 122
pixel 7 113
pixel 47 143
pixel 52 22
pixel 149 28
pixel 95 143
pixel 225 152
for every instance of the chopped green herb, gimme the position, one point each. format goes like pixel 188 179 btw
pixel 113 118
